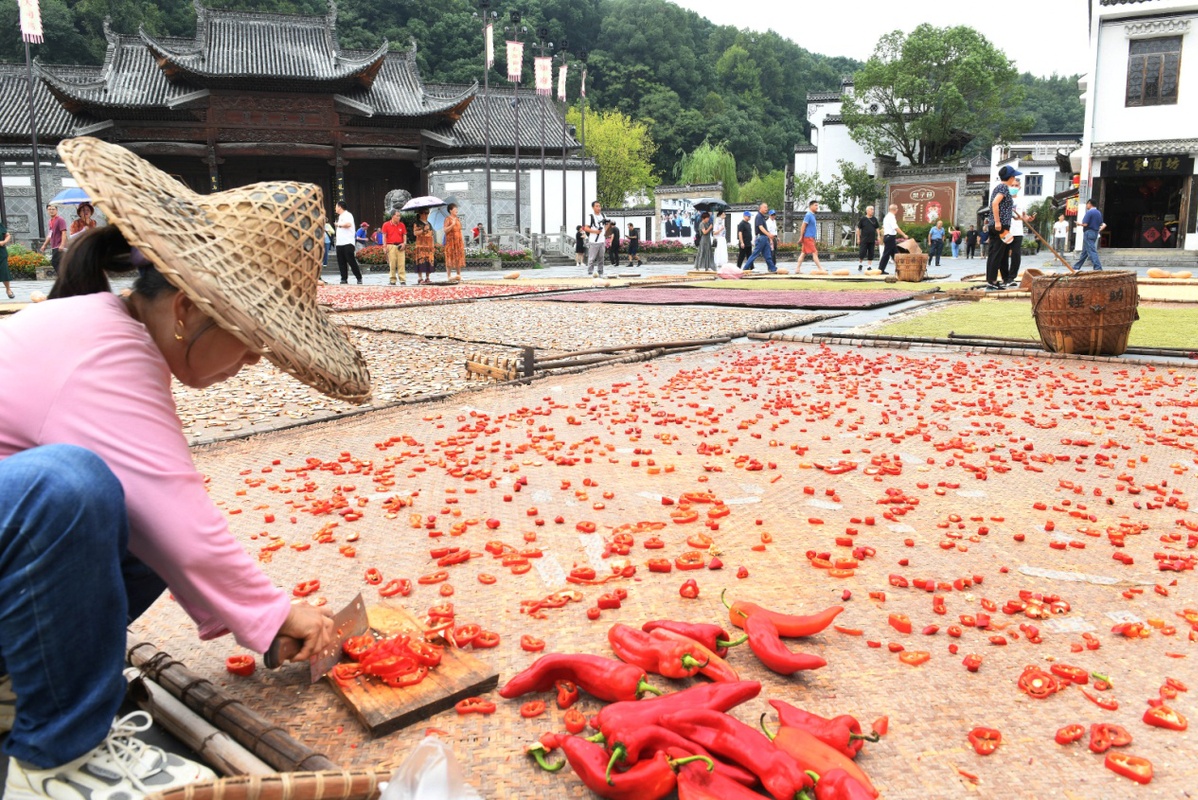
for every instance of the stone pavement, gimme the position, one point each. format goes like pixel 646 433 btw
pixel 986 475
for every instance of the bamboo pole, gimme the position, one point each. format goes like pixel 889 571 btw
pixel 650 346
pixel 1180 352
pixel 209 742
pixel 1068 266
pixel 561 363
pixel 261 737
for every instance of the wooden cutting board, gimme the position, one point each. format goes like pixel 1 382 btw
pixel 383 709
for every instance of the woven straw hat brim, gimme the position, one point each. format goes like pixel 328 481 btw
pixel 249 257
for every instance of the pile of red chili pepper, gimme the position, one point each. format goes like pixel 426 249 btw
pixel 398 661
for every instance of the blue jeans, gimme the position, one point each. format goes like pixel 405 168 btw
pixel 762 247
pixel 956 249
pixel 68 588
pixel 1089 250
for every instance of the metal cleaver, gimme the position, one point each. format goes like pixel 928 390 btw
pixel 349 621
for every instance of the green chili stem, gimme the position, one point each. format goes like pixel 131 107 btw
pixel 741 640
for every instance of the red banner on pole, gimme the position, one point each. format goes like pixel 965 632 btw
pixel 31 21
pixel 515 61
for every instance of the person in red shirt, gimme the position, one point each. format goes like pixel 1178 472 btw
pixel 56 237
pixel 395 237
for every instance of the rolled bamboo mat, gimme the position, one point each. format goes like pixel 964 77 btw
pixel 361 784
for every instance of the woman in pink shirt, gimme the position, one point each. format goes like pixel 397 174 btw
pixel 104 507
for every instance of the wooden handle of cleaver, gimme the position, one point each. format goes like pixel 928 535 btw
pixel 282 650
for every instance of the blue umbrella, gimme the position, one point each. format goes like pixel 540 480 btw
pixel 70 197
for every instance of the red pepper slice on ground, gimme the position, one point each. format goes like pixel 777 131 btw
pixel 788 625
pixel 1039 684
pixel 765 643
pixel 241 665
pixel 474 705
pixel 575 720
pixel 1100 740
pixel 1164 717
pixel 915 657
pixel 985 740
pixel 466 634
pixel 842 733
pixel 374 577
pixel 1118 734
pixel 689 590
pixel 1070 734
pixel 442 611
pixel 972 662
pixel 533 708
pixel 1176 685
pixel 1072 674
pixel 567 693
pixel 486 578
pixel 531 644
pixel 605 678
pixel 1107 705
pixel 608 601
pixel 305 588
pixel 691 559
pixel 660 565
pixel 1134 767
pixel 433 577
pixel 486 640
pixel 900 622
pixel 396 586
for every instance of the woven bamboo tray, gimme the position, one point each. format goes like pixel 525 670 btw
pixel 909 267
pixel 362 784
pixel 1087 313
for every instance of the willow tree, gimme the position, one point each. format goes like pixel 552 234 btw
pixel 710 163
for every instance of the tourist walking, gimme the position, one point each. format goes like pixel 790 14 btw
pixel 936 242
pixel 634 245
pixel 580 245
pixel 984 241
pixel 56 238
pixel 593 228
pixel 867 238
pixel 955 237
pixel 83 220
pixel 971 242
pixel 890 233
pixel 426 247
pixel 1092 226
pixel 1000 213
pixel 455 245
pixel 612 234
pixel 345 244
pixel 761 242
pixel 719 235
pixel 771 225
pixel 395 239
pixel 704 257
pixel 362 236
pixel 104 508
pixel 744 239
pixel 5 277
pixel 807 238
pixel 1060 234
pixel 1015 256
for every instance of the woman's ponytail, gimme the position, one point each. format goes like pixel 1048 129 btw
pixel 97 252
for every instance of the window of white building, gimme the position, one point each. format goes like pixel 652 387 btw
pixel 1153 68
pixel 1033 184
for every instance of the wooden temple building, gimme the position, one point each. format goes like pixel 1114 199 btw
pixel 257 96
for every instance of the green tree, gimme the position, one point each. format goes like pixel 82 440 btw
pixel 858 188
pixel 768 188
pixel 710 163
pixel 623 150
pixel 929 94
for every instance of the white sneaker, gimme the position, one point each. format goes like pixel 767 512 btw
pixel 8 705
pixel 122 767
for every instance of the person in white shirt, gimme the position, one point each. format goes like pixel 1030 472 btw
pixel 1060 234
pixel 1015 255
pixel 890 233
pixel 596 244
pixel 345 244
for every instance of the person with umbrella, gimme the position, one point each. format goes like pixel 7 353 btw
pixel 704 258
pixel 426 248
pixel 455 245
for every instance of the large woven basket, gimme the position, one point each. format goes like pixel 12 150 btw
pixel 1085 314
pixel 912 268
pixel 360 784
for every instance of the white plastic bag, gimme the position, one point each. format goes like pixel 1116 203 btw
pixel 430 772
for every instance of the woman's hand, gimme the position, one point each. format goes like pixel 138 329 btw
pixel 310 625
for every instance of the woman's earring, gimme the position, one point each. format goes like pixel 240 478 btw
pixel 179 330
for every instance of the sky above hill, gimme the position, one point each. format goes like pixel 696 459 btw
pixel 1041 36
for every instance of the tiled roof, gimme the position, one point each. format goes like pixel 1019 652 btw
pixel 529 161
pixel 53 121
pixel 238 48
pixel 398 91
pixel 468 132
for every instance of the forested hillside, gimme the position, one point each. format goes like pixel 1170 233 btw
pixel 686 77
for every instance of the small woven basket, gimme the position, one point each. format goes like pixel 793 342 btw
pixel 347 785
pixel 910 268
pixel 1087 313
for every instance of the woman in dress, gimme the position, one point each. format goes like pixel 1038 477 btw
pixel 704 258
pixel 5 277
pixel 721 241
pixel 83 220
pixel 426 249
pixel 104 509
pixel 455 246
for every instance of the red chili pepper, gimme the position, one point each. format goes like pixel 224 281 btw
pixel 241 665
pixel 533 708
pixel 466 634
pixel 837 784
pixel 567 693
pixel 1176 685
pixel 900 622
pixel 1138 769
pixel 715 668
pixel 1071 674
pixel 608 601
pixel 1106 705
pixel 691 559
pixel 486 640
pixel 670 658
pixel 345 675
pixel 1037 683
pixel 660 565
pixel 605 678
pixel 815 755
pixel 531 643
pixel 696 783
pixel 305 588
pixel 575 720
pixel 1070 734
pixel 713 637
pixel 441 611
pixel 407 679
pixel 374 577
pixel 772 652
pixel 651 779
pixel 486 579
pixel 915 657
pixel 358 646
pixel 972 662
pixel 689 589
pixel 985 740
pixel 788 625
pixel 881 726
pixel 842 733
pixel 616 718
pixel 593 613
pixel 729 738
pixel 396 586
pixel 1164 717
pixel 433 577
pixel 426 653
pixel 474 705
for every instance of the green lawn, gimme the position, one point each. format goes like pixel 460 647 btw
pixel 1157 327
pixel 815 285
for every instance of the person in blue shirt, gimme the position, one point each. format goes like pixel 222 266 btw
pixel 936 242
pixel 1092 225
pixel 761 246
pixel 807 237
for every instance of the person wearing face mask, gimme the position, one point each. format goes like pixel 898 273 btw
pixel 999 224
pixel 1019 216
